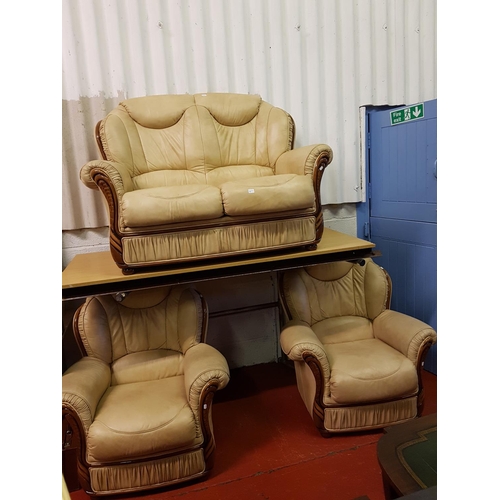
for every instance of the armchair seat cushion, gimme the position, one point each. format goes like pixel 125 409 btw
pixel 142 419
pixel 166 205
pixel 277 193
pixel 143 366
pixel 369 370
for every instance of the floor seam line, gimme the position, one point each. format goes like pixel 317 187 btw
pixel 271 471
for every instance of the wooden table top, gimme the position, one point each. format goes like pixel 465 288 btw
pixel 395 467
pixel 94 273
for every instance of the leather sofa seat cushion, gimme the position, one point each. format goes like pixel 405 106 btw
pixel 167 205
pixel 147 365
pixel 366 371
pixel 258 195
pixel 141 420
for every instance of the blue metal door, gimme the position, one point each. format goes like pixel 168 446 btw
pixel 402 204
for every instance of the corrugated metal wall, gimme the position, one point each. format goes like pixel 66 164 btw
pixel 318 59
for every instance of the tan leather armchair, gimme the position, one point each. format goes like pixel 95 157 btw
pixel 192 177
pixel 357 363
pixel 139 401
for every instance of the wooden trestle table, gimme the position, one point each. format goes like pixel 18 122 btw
pixel 97 274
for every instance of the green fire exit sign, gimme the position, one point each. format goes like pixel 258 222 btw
pixel 407 114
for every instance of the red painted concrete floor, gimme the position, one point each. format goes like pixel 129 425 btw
pixel 269 448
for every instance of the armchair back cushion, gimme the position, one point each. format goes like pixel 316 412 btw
pixel 337 289
pixel 169 319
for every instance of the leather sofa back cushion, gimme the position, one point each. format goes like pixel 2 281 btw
pixel 157 111
pixel 231 110
pixel 277 193
pixel 197 133
pixel 216 177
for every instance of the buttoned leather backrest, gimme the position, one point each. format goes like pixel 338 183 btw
pixel 157 318
pixel 189 136
pixel 336 289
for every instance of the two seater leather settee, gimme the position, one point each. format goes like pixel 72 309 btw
pixel 191 177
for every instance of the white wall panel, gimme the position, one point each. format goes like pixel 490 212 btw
pixel 320 60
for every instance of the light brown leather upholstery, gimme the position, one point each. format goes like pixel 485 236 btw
pixel 139 401
pixel 357 362
pixel 188 177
